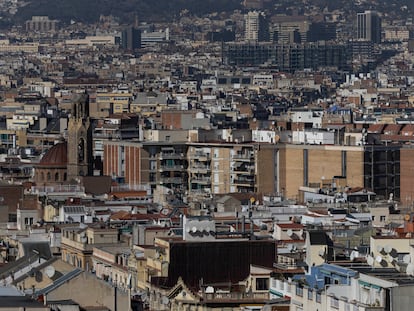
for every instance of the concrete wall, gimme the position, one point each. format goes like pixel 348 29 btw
pixel 324 162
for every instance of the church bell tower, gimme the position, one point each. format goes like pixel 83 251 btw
pixel 79 140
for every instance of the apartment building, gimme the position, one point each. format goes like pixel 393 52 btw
pixel 199 168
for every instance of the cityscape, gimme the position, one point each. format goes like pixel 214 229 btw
pixel 215 155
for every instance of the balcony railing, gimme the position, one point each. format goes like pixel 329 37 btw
pixel 235 296
pixel 201 180
pixel 171 167
pixel 243 156
pixel 169 155
pixel 171 180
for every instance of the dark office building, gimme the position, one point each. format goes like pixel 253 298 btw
pixel 288 58
pixel 131 39
pixel 221 36
pixel 248 54
pixel 369 26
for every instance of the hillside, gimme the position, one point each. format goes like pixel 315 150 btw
pixel 90 10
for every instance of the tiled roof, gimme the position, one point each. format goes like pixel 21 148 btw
pixel 56 156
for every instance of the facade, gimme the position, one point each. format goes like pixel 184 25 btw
pixel 131 39
pixel 41 24
pixel 77 244
pixel 199 168
pixel 369 26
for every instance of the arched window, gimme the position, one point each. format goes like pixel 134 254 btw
pixel 65 176
pixel 48 176
pixel 56 176
pixel 42 176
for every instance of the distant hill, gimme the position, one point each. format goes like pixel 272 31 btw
pixel 90 10
pixel 166 10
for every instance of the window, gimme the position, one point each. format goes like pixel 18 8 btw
pixel 299 290
pixel 262 284
pixel 334 303
pixel 310 294
pixel 318 297
pixel 382 218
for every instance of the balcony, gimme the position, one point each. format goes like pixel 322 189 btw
pixel 201 156
pixel 200 169
pixel 201 180
pixel 171 168
pixel 244 181
pixel 247 156
pixel 243 169
pixel 171 155
pixel 171 180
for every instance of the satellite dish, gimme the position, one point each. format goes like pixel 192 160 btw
pixel 50 271
pixel 394 253
pixel 379 248
pixel 194 229
pixel 390 259
pixel 39 277
pixel 354 254
pixel 407 258
pixel 370 260
pixel 378 259
pixel 388 248
pixel 165 300
pixel 289 232
pixel 209 290
pixel 410 269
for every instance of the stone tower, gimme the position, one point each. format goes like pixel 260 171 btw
pixel 79 140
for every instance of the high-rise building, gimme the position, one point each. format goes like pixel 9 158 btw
pixel 131 39
pixel 369 26
pixel 256 27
